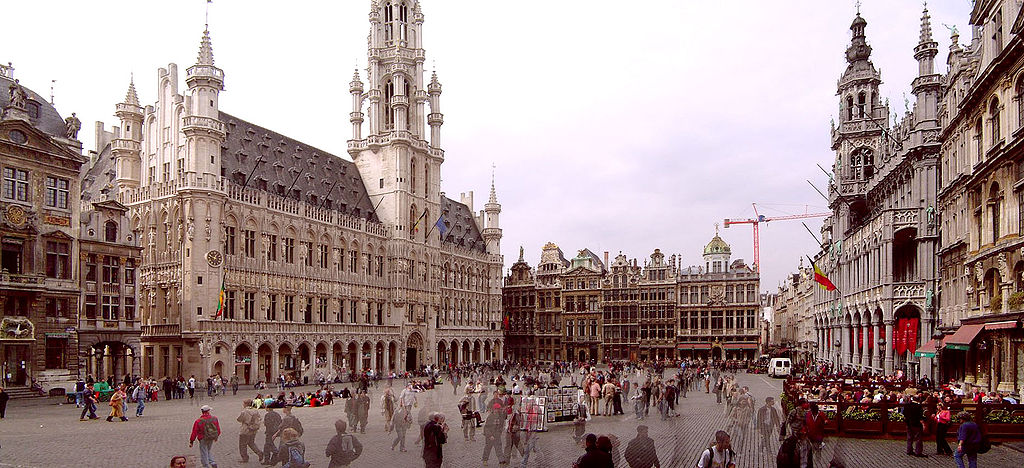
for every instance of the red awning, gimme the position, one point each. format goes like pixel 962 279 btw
pixel 740 345
pixel 1000 325
pixel 964 335
pixel 693 346
pixel 929 348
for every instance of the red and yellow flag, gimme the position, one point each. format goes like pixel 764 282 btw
pixel 821 279
pixel 220 300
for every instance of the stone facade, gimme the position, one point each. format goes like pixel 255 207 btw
pixel 587 309
pixel 265 256
pixel 982 202
pixel 39 212
pixel 878 246
pixel 793 321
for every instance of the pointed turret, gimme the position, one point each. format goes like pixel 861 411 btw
pixel 356 117
pixel 202 121
pixel 492 229
pixel 435 119
pixel 926 85
pixel 205 49
pixel 127 148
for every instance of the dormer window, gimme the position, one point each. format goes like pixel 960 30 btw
pixel 110 231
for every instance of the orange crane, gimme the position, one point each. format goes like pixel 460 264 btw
pixel 764 219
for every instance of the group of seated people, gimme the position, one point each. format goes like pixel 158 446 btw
pixel 314 399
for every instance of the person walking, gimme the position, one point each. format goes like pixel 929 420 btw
pixel 250 425
pixel 272 424
pixel 5 397
pixel 387 408
pixel 795 423
pixel 815 429
pixel 192 386
pixel 913 414
pixel 205 429
pixel 942 419
pixel 401 421
pixel 767 422
pixel 969 441
pixel 362 405
pixel 234 384
pixel 593 456
pixel 719 455
pixel 117 404
pixel 435 434
pixel 289 421
pixel 139 395
pixel 292 452
pixel 640 452
pixel 493 428
pixel 88 403
pixel 343 448
pixel 512 430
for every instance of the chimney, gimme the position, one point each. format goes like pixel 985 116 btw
pixel 606 259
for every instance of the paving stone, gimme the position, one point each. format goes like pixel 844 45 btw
pixel 47 435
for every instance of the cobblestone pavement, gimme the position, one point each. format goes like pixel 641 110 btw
pixel 39 435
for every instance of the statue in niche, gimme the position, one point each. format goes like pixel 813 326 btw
pixel 190 231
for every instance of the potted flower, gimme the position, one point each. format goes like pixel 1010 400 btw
pixel 1004 422
pixel 895 424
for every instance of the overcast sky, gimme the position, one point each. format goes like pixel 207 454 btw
pixel 614 125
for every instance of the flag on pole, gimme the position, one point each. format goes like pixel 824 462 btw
pixel 505 322
pixel 220 300
pixel 821 279
pixel 441 226
pixel 416 226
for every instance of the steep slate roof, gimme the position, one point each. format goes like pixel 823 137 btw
pixel 462 228
pixel 49 120
pixel 308 171
pixel 98 179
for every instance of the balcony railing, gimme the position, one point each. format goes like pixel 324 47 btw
pixel 16 280
pixel 195 121
pixel 162 329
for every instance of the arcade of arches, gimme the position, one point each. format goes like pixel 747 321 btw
pixel 265 361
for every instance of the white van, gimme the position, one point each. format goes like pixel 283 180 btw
pixel 779 367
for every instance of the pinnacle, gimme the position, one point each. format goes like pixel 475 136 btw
pixel 131 97
pixel 205 49
pixel 494 193
pixel 926 27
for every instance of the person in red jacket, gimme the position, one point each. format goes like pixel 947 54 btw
pixel 206 430
pixel 814 424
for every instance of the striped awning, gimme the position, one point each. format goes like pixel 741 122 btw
pixel 693 346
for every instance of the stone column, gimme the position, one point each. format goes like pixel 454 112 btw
pixel 108 363
pixel 92 363
pixel 879 351
pixel 387 358
pixel 330 360
pixel 275 366
pixel 888 346
pixel 373 357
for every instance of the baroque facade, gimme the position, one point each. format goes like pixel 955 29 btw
pixel 323 264
pixel 588 308
pixel 878 245
pixel 793 325
pixel 981 201
pixel 40 160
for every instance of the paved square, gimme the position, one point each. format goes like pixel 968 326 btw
pixel 36 435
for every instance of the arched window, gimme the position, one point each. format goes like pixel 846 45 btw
pixel 412 220
pixel 388 18
pixel 1020 103
pixel 110 231
pixel 389 115
pixel 993 119
pixel 849 108
pixel 403 17
pixel 995 200
pixel 861 102
pixel 412 176
pixel 426 179
pixel 978 129
pixel 568 328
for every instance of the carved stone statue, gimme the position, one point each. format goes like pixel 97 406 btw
pixel 979 272
pixel 73 126
pixel 190 231
pixel 202 348
pixel 18 95
pixel 1004 269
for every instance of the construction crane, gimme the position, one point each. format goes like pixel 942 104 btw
pixel 760 218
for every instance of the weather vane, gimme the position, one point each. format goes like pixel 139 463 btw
pixel 857 4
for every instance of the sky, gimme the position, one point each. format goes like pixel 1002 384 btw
pixel 614 126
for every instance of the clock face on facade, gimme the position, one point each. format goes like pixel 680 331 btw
pixel 214 258
pixel 15 215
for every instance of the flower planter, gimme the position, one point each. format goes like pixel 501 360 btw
pixel 1004 429
pixel 862 427
pixel 898 428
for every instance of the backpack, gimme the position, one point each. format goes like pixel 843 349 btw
pixel 348 450
pixel 210 430
pixel 295 459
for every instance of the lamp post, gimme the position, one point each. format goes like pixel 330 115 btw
pixel 937 360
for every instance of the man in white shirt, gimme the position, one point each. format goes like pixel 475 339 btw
pixel 719 455
pixel 407 398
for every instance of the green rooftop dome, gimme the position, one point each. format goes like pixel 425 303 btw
pixel 717 246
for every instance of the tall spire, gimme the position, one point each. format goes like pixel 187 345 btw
pixel 926 26
pixel 494 193
pixel 205 49
pixel 131 97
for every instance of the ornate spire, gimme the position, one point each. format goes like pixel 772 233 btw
pixel 859 49
pixel 205 49
pixel 494 193
pixel 131 97
pixel 926 26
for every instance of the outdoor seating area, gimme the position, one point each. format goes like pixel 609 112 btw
pixel 851 417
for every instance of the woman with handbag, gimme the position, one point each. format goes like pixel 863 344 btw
pixel 942 418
